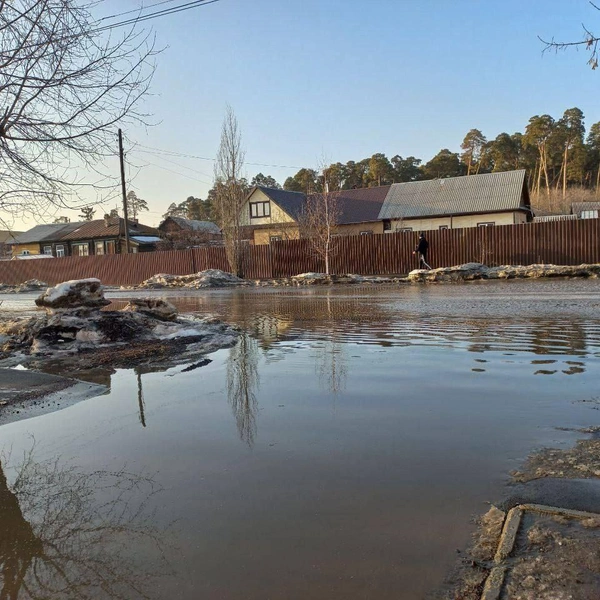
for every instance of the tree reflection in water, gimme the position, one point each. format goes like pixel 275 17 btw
pixel 331 354
pixel 242 385
pixel 68 534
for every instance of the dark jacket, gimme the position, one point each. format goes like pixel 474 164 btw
pixel 422 246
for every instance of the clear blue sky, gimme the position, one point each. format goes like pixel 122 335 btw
pixel 344 79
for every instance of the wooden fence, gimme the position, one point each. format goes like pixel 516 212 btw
pixel 557 242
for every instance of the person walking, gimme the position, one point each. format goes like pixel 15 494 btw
pixel 421 251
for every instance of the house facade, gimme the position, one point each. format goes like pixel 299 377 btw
pixel 270 214
pixel 44 239
pixel 87 238
pixel 458 202
pixel 107 236
pixel 7 239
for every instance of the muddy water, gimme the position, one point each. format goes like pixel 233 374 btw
pixel 340 450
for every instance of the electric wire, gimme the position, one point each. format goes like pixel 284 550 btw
pixel 183 155
pixel 135 10
pixel 161 13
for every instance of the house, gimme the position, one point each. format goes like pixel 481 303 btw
pixel 182 232
pixel 107 236
pixel 585 210
pixel 44 239
pixel 455 202
pixel 271 214
pixel 102 236
pixel 7 239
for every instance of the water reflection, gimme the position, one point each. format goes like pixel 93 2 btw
pixel 66 534
pixel 242 385
pixel 382 318
pixel 331 359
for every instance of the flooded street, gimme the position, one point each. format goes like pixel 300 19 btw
pixel 341 450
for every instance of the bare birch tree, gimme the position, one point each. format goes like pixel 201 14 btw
pixel 65 84
pixel 230 192
pixel 318 222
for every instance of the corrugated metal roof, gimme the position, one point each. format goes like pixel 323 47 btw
pixel 99 229
pixel 578 207
pixel 46 233
pixel 456 195
pixel 195 225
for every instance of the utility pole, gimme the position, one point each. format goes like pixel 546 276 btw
pixel 127 249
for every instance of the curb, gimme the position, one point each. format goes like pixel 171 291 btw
pixel 492 589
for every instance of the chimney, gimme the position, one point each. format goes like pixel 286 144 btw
pixel 106 220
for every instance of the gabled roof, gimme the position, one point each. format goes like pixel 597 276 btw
pixel 361 205
pixel 490 192
pixel 356 206
pixel 578 207
pixel 194 225
pixel 291 202
pixel 99 229
pixel 8 237
pixel 46 233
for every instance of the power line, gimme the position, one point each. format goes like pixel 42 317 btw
pixel 135 10
pixel 134 21
pixel 175 172
pixel 162 157
pixel 181 154
pixel 160 13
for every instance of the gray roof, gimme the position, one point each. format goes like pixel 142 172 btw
pixel 46 233
pixel 194 225
pixel 578 207
pixel 490 192
pixel 291 202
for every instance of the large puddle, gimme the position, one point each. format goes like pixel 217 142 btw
pixel 340 451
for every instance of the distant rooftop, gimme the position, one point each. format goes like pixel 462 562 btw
pixel 195 225
pixel 489 192
pixel 46 233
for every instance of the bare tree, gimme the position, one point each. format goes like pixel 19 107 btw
pixel 589 42
pixel 61 540
pixel 230 191
pixel 318 221
pixel 242 383
pixel 65 84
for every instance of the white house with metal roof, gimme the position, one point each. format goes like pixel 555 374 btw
pixel 456 202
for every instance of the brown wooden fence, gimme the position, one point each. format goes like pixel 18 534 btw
pixel 557 242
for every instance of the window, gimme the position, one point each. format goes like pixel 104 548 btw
pixel 110 247
pixel 260 209
pixel 488 224
pixel 589 214
pixel 368 232
pixel 443 227
pixel 48 250
pixel 387 225
pixel 25 253
pixel 60 250
pixel 81 249
pixel 275 238
pixel 99 248
pixel 406 230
